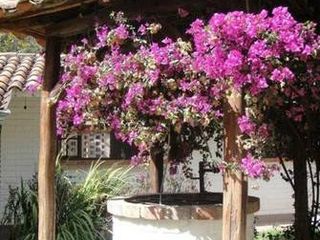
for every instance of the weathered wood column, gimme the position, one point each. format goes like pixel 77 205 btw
pixel 235 185
pixel 47 154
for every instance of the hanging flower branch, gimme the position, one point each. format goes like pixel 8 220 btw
pixel 273 60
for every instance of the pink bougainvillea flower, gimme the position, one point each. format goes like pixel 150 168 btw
pixel 254 168
pixel 246 125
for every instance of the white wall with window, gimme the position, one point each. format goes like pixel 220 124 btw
pixel 99 145
pixel 20 145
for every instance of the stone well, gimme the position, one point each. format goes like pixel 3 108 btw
pixel 178 217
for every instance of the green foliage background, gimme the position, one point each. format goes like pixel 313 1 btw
pixel 10 43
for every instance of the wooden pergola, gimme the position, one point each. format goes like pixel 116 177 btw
pixel 56 22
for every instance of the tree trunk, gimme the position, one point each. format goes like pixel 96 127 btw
pixel 302 220
pixel 156 169
pixel 47 153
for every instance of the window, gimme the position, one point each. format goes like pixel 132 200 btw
pixel 94 146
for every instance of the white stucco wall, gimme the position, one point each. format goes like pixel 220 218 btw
pixel 172 229
pixel 19 144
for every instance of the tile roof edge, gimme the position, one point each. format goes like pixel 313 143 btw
pixel 21 69
pixel 18 54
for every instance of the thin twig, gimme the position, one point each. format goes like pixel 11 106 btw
pixel 317 195
pixel 313 192
pixel 286 172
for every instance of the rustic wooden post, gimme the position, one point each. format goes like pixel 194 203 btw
pixel 47 154
pixel 235 185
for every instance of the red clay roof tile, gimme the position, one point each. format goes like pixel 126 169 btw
pixel 16 70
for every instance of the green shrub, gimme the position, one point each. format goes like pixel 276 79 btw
pixel 80 208
pixel 275 234
pixel 279 233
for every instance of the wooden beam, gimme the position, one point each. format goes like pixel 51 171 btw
pixel 37 19
pixel 47 154
pixel 27 10
pixel 235 185
pixel 61 19
pixel 77 25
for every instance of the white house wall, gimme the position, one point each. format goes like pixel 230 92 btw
pixel 19 144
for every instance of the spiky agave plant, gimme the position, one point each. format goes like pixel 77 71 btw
pixel 80 208
pixel 84 217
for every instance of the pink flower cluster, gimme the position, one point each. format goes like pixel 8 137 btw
pixel 246 125
pixel 255 168
pixel 138 93
pixel 272 60
pixel 251 50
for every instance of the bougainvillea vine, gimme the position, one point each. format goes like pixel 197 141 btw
pixel 158 92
